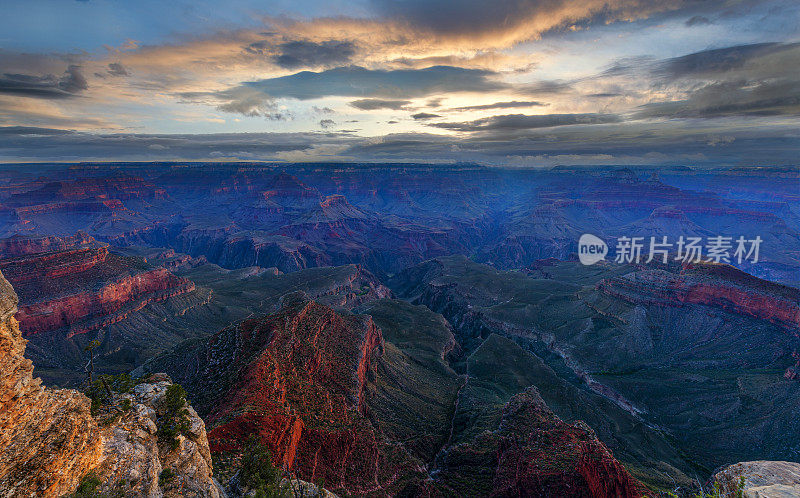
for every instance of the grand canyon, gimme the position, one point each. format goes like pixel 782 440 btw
pixel 430 336
pixel 400 248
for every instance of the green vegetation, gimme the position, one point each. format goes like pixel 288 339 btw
pixel 165 477
pixel 102 390
pixel 88 486
pixel 715 492
pixel 175 420
pixel 259 474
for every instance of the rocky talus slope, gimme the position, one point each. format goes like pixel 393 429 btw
pixel 50 442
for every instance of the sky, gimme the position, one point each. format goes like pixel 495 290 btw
pixel 527 83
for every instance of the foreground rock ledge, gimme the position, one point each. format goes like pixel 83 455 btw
pixel 762 479
pixel 49 440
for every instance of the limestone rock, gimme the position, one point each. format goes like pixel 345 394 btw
pixel 48 438
pixel 762 479
pixel 137 463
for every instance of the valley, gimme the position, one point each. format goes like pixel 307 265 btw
pixel 421 330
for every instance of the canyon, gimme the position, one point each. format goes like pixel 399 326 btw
pixel 397 330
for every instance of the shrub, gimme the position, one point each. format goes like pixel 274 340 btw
pixel 88 486
pixel 258 473
pixel 98 391
pixel 165 477
pixel 175 420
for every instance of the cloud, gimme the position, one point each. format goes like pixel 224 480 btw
pixel 502 23
pixel 353 81
pixel 730 98
pixel 510 122
pixel 375 104
pixel 603 95
pixel 327 123
pixel 500 105
pixel 117 69
pixel 59 145
pixel 643 142
pixel 697 21
pixel 297 54
pixel 721 60
pixel 746 80
pixel 48 86
pixel 31 130
pixel 424 115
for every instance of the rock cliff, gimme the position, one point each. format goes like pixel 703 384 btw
pixel 531 452
pixel 50 442
pixel 73 285
pixel 718 286
pixel 298 382
pixel 48 439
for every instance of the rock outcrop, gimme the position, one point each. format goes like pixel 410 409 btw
pixel 48 438
pixel 531 452
pixel 758 479
pixel 711 285
pixel 50 441
pixel 138 462
pixel 298 383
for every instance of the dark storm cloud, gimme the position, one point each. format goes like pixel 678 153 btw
pixel 297 54
pixel 515 19
pixel 623 143
pixel 61 145
pixel 500 105
pixel 354 81
pixel 740 98
pixel 48 86
pixel 117 69
pixel 511 122
pixel 747 80
pixel 374 104
pixel 667 142
pixel 31 130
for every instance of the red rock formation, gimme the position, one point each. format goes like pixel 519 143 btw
pixel 300 387
pixel 57 259
pixel 48 439
pixel 711 285
pixel 533 453
pixel 72 284
pixel 94 309
pixel 21 246
pixel 109 188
